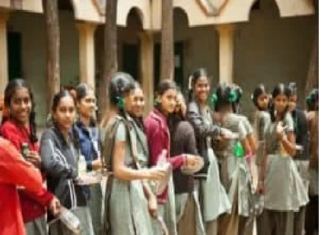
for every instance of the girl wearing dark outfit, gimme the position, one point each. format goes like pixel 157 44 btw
pixel 89 145
pixel 301 157
pixel 189 219
pixel 212 195
pixel 60 154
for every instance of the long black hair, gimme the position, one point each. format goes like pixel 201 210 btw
pixel 56 101
pixel 280 89
pixel 224 95
pixel 10 90
pixel 259 90
pixel 195 76
pixel 120 86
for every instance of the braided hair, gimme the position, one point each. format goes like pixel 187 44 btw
pixel 224 95
pixel 120 86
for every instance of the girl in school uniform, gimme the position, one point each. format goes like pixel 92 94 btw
pixel 19 128
pixel 60 151
pixel 301 156
pixel 212 195
pixel 128 199
pixel 89 146
pixel 279 180
pixel 235 170
pixel 158 136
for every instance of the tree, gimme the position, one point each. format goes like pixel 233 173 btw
pixel 52 49
pixel 110 54
pixel 167 44
pixel 312 76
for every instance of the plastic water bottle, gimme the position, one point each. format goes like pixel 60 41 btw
pixel 70 220
pixel 82 165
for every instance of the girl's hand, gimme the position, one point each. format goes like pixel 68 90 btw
pixel 153 206
pixel 96 165
pixel 260 187
pixel 155 173
pixel 34 158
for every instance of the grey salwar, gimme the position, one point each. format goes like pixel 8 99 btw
pixel 285 191
pixel 299 217
pixel 188 213
pixel 36 227
pixel 128 208
pixel 275 223
pixel 95 205
pixel 83 214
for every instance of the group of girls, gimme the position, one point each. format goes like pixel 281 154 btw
pixel 251 173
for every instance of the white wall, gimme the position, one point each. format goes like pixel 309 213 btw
pixel 32 28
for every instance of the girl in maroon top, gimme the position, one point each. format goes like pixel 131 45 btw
pixel 19 127
pixel 158 136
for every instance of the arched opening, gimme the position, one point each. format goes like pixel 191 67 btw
pixel 129 43
pixel 65 5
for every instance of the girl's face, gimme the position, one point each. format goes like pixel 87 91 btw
pixel 21 106
pixel 281 103
pixel 168 101
pixel 292 103
pixel 180 105
pixel 201 89
pixel 263 101
pixel 64 113
pixel 86 106
pixel 136 103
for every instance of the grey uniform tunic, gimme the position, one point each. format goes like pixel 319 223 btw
pixel 167 211
pixel 129 213
pixel 235 171
pixel 284 189
pixel 216 200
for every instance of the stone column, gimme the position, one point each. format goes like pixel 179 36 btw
pixel 87 52
pixel 226 52
pixel 147 68
pixel 4 16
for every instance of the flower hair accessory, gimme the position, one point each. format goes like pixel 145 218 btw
pixel 120 102
pixel 214 99
pixel 190 83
